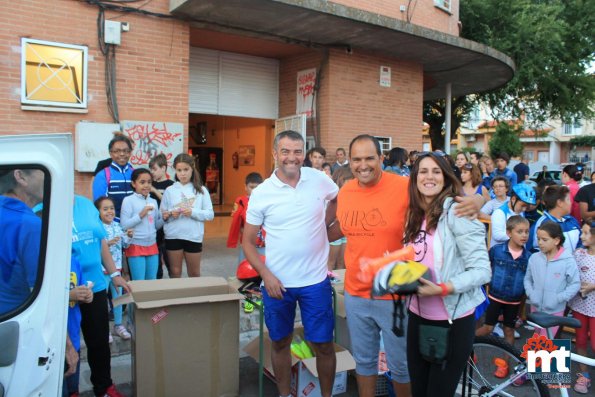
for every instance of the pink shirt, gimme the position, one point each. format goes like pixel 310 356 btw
pixel 430 307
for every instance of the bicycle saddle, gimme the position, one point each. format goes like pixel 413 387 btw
pixel 545 320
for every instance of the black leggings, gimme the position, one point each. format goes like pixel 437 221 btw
pixel 95 327
pixel 430 380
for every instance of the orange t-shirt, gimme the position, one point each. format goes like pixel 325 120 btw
pixel 373 220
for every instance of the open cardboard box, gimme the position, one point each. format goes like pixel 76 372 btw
pixel 304 376
pixel 185 337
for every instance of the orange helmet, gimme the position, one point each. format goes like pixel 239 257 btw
pixel 245 271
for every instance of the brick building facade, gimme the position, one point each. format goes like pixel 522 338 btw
pixel 420 45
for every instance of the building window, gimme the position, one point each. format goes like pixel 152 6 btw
pixel 573 127
pixel 443 4
pixel 53 74
pixel 386 143
pixel 530 155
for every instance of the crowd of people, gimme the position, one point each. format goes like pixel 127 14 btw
pixel 316 217
pixel 434 203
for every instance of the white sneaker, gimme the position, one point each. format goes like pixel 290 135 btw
pixel 111 338
pixel 121 331
pixel 498 331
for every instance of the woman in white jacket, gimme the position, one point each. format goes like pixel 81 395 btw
pixel 455 252
pixel 185 206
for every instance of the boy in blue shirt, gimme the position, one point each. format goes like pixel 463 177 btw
pixel 509 264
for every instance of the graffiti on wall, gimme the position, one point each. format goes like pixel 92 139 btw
pixel 152 138
pixel 306 102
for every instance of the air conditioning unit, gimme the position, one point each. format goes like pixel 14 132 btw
pixel 470 138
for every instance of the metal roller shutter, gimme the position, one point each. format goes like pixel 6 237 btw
pixel 231 84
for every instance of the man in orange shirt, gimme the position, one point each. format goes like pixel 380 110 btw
pixel 370 212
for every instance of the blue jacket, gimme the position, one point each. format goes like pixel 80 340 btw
pixel 507 273
pixel 116 186
pixel 570 227
pixel 507 173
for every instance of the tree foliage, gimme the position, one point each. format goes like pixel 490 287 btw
pixel 586 140
pixel 552 43
pixel 506 139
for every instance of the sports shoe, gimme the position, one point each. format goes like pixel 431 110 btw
pixel 248 307
pixel 112 392
pixel 501 368
pixel 121 331
pixel 520 381
pixel 498 331
pixel 582 384
pixel 111 338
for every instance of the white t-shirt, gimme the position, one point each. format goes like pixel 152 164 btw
pixel 296 239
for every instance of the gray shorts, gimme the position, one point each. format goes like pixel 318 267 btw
pixel 365 319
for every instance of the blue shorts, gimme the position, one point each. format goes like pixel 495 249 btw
pixel 366 318
pixel 316 306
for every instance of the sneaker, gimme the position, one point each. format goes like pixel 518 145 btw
pixel 498 331
pixel 113 392
pixel 111 338
pixel 501 368
pixel 582 384
pixel 121 331
pixel 520 381
pixel 248 307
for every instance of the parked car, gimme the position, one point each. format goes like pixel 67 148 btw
pixel 554 175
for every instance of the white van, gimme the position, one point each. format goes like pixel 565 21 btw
pixel 34 270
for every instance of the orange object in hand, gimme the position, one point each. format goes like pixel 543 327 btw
pixel 369 267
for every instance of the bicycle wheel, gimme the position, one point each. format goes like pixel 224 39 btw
pixel 479 379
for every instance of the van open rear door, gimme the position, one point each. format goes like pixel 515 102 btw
pixel 36 201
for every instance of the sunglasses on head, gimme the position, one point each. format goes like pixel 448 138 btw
pixel 468 166
pixel 438 153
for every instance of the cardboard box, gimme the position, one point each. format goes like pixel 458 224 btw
pixel 304 376
pixel 341 330
pixel 185 337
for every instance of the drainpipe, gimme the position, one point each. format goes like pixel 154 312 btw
pixel 447 118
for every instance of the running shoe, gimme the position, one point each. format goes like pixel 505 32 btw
pixel 582 384
pixel 121 331
pixel 501 368
pixel 248 307
pixel 113 392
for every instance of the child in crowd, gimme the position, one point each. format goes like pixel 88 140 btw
pixel 185 206
pixel 500 186
pixel 556 200
pixel 79 292
pixel 552 276
pixel 522 196
pixel 116 240
pixel 238 217
pixel 583 304
pixel 326 168
pixel 509 264
pixel 158 167
pixel 140 213
pixel 336 253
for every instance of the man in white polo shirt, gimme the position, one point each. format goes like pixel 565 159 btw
pixel 290 205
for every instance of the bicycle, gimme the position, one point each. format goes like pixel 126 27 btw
pixel 478 380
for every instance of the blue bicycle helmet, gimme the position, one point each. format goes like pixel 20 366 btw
pixel 525 193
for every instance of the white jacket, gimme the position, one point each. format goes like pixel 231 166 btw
pixel 463 260
pixel 192 228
